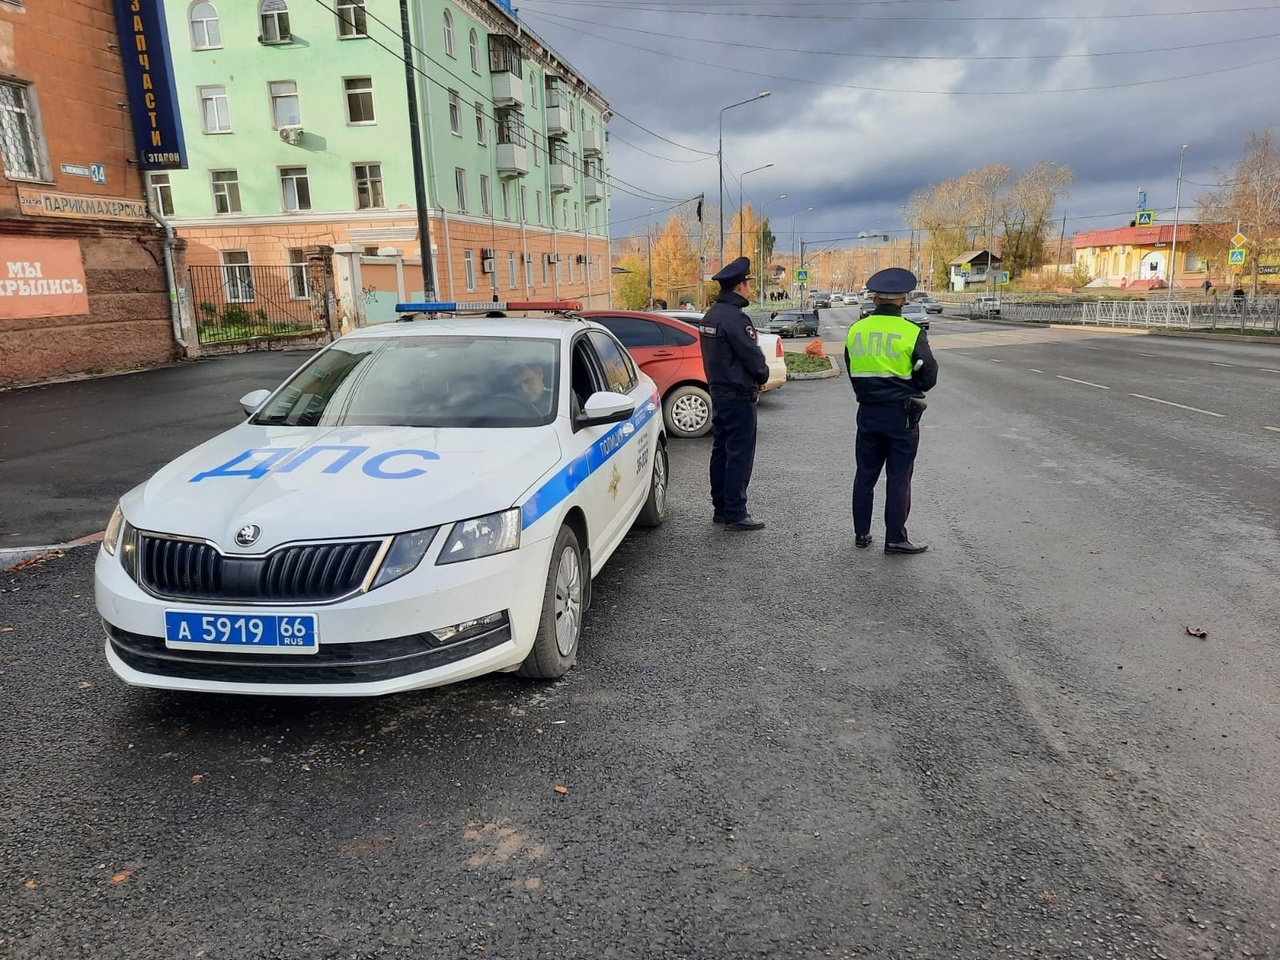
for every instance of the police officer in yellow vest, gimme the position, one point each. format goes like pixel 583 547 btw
pixel 890 366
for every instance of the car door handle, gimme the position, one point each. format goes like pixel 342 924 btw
pixel 664 353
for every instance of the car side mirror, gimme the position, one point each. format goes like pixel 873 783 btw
pixel 251 402
pixel 606 407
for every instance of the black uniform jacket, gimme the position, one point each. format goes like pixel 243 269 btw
pixel 893 390
pixel 730 351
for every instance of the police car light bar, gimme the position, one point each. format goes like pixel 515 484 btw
pixel 484 306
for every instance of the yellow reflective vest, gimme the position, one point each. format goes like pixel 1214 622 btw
pixel 881 345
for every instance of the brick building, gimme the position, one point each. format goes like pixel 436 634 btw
pixel 82 265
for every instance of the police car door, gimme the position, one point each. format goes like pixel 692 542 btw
pixel 610 448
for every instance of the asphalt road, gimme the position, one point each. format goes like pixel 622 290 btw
pixel 774 745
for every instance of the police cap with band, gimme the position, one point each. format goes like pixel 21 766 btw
pixel 892 282
pixel 734 273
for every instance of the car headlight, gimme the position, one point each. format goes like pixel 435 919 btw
pixel 111 538
pixel 482 537
pixel 407 551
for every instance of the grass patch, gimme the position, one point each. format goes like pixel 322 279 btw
pixel 803 363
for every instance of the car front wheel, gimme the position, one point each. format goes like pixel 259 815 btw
pixel 555 648
pixel 687 412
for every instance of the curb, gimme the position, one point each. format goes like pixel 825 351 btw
pixel 14 558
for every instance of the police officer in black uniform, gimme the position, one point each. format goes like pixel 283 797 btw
pixel 736 369
pixel 890 366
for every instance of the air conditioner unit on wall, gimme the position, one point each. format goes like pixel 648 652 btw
pixel 291 134
pixel 528 258
pixel 486 253
pixel 553 258
pixel 580 258
pixel 486 264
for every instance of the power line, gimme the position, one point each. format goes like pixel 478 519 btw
pixel 614 136
pixel 878 89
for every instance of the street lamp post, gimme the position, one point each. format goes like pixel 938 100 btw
pixel 741 217
pixel 1177 204
pixel 648 236
pixel 720 159
pixel 798 213
pixel 764 280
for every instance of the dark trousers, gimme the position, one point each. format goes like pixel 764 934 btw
pixel 884 440
pixel 733 453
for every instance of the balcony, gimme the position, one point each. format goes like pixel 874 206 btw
pixel 593 143
pixel 508 89
pixel 557 121
pixel 513 160
pixel 593 189
pixel 561 177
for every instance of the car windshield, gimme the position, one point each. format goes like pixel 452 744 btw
pixel 785 317
pixel 422 381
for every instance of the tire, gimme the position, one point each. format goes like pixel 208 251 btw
pixel 687 412
pixel 555 648
pixel 655 507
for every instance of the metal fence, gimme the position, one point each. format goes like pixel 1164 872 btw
pixel 242 302
pixel 1225 314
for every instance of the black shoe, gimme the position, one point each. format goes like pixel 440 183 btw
pixel 717 518
pixel 905 546
pixel 863 540
pixel 746 523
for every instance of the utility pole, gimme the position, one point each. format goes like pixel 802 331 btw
pixel 415 142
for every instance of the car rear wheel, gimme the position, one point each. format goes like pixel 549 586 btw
pixel 555 648
pixel 655 508
pixel 687 412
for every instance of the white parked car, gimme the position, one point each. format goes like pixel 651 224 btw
pixel 421 502
pixel 770 346
pixel 850 298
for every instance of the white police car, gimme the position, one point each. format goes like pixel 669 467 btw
pixel 421 502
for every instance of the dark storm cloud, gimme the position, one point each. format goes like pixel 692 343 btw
pixel 1090 86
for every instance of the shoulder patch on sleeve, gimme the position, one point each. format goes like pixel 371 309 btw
pixel 751 331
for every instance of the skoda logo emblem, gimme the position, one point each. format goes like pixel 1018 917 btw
pixel 248 535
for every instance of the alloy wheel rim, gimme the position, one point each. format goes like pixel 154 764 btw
pixel 660 481
pixel 568 604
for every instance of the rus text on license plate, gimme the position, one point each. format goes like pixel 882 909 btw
pixel 241 632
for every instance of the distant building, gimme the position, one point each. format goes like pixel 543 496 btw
pixel 1138 257
pixel 296 121
pixel 82 265
pixel 969 270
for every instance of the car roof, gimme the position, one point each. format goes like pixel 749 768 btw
pixel 546 328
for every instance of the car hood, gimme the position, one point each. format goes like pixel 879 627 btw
pixel 301 483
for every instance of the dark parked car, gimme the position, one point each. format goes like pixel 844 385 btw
pixel 793 323
pixel 930 305
pixel 820 300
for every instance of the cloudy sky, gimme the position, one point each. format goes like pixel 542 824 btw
pixel 874 99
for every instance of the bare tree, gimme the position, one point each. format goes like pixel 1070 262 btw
pixel 1247 200
pixel 1026 214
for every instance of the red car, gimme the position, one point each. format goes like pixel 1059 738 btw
pixel 668 351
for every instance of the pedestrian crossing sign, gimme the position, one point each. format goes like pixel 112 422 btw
pixel 1235 256
pixel 802 276
pixel 1146 218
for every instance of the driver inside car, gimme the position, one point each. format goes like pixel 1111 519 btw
pixel 530 385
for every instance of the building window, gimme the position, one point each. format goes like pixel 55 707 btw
pixel 469 261
pixel 21 142
pixel 237 276
pixel 352 19
pixel 285 111
pixel 299 284
pixel 480 134
pixel 506 200
pixel 161 193
pixel 524 204
pixel 215 114
pixel 295 188
pixel 475 52
pixel 460 184
pixel 545 281
pixel 557 269
pixel 486 198
pixel 511 269
pixel 274 16
pixel 226 191
pixel 448 34
pixel 536 148
pixel 528 270
pixel 205 34
pixel 368 185
pixel 537 205
pixel 359 93
pixel 510 126
pixel 571 271
pixel 577 218
pixel 455 113
pixel 533 90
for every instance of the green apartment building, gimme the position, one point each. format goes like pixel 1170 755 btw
pixel 297 129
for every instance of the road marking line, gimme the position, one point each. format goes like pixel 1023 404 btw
pixel 1217 364
pixel 994 361
pixel 1268 370
pixel 1273 429
pixel 1085 382
pixel 1034 370
pixel 1093 348
pixel 1151 355
pixel 1181 406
